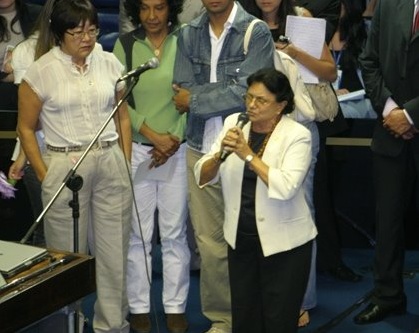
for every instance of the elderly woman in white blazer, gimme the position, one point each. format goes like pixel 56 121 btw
pixel 268 224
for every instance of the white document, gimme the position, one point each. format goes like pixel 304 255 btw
pixel 307 33
pixel 162 173
pixel 352 96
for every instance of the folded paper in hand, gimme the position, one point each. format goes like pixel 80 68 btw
pixel 352 96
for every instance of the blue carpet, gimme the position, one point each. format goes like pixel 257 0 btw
pixel 334 297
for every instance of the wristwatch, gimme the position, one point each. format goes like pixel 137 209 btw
pixel 249 158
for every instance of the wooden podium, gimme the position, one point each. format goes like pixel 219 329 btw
pixel 49 291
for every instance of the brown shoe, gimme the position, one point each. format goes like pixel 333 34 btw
pixel 176 322
pixel 140 322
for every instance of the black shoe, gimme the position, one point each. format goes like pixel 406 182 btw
pixel 176 322
pixel 344 273
pixel 140 323
pixel 374 313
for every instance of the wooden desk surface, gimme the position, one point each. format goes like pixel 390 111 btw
pixel 41 295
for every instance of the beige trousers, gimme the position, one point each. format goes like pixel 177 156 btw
pixel 105 208
pixel 206 208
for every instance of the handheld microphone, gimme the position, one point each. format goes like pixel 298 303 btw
pixel 152 63
pixel 241 121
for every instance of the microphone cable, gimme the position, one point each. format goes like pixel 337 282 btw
pixel 345 313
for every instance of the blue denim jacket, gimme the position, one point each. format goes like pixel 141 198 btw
pixel 193 64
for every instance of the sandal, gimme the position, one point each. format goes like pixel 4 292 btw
pixel 304 318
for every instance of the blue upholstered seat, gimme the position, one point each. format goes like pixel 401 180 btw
pixel 108 40
pixel 108 6
pixel 108 22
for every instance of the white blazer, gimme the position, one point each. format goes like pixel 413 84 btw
pixel 283 217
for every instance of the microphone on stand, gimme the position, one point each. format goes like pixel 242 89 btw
pixel 241 121
pixel 152 63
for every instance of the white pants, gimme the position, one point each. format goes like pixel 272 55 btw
pixel 169 197
pixel 105 208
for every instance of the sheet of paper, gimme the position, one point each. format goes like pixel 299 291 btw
pixel 307 33
pixel 161 173
pixel 352 96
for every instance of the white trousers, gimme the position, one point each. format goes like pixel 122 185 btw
pixel 169 197
pixel 105 208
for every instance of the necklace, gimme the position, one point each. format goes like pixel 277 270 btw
pixel 157 47
pixel 259 153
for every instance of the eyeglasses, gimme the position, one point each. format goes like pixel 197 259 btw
pixel 259 101
pixel 79 35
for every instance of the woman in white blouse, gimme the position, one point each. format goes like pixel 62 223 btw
pixel 70 91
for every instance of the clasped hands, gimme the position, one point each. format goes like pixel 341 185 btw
pixel 398 125
pixel 165 146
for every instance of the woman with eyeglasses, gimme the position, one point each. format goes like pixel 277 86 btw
pixel 268 224
pixel 71 91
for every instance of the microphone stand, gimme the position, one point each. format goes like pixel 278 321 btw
pixel 75 182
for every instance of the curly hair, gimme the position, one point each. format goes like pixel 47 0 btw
pixel 133 9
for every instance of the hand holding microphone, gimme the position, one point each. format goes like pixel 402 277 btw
pixel 241 121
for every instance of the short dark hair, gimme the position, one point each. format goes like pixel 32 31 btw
pixel 68 15
pixel 133 8
pixel 277 83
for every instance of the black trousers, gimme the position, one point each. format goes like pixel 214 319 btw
pixel 328 238
pixel 266 292
pixel 395 181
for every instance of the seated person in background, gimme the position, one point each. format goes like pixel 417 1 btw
pixel 268 225
pixel 346 45
pixel 16 22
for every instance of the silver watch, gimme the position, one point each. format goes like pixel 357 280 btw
pixel 249 158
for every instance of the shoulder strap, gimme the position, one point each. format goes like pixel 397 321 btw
pixel 127 42
pixel 248 34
